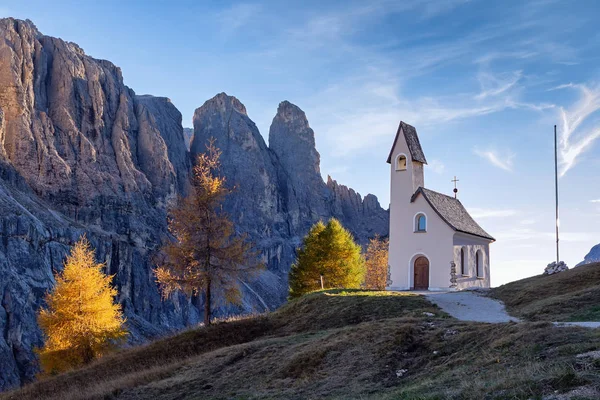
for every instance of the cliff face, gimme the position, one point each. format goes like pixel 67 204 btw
pixel 188 134
pixel 81 153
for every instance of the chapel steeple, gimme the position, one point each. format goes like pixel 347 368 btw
pixel 408 156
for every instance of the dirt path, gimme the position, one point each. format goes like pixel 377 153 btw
pixel 470 306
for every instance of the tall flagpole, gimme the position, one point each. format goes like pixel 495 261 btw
pixel 556 186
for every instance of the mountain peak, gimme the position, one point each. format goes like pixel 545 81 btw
pixel 222 102
pixel 291 113
pixel 293 140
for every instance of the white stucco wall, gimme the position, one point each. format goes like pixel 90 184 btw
pixel 406 245
pixel 471 244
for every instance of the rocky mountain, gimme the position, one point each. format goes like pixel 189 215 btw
pixel 592 257
pixel 279 192
pixel 81 153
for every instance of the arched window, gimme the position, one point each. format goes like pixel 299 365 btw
pixel 401 162
pixel 463 270
pixel 479 263
pixel 420 223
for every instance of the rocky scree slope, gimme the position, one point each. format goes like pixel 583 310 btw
pixel 81 153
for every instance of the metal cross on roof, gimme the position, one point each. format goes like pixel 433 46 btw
pixel 455 188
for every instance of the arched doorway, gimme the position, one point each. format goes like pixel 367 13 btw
pixel 421 273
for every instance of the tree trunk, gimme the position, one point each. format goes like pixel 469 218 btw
pixel 207 305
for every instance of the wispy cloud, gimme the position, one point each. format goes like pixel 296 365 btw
pixel 530 221
pixel 524 234
pixel 237 16
pixel 372 102
pixel 494 85
pixel 436 166
pixel 480 213
pixel 595 201
pixel 504 161
pixel 575 139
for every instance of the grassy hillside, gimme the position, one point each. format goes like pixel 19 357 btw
pixel 573 295
pixel 342 345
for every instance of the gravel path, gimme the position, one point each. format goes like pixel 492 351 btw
pixel 470 306
pixel 586 324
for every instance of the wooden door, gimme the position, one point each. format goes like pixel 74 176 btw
pixel 421 273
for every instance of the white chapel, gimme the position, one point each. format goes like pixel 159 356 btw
pixel 434 243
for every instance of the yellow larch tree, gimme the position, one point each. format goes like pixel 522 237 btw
pixel 81 320
pixel 376 261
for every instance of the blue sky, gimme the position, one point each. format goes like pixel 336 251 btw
pixel 484 83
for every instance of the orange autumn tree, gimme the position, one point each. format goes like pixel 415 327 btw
pixel 81 320
pixel 206 256
pixel 376 262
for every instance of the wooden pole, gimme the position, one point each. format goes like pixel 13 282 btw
pixel 556 187
pixel 322 286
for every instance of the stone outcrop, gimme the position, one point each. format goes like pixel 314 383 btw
pixel 81 153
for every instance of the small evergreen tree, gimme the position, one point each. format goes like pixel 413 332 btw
pixel 376 263
pixel 81 321
pixel 206 256
pixel 329 256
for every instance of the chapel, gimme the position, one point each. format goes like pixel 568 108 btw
pixel 434 243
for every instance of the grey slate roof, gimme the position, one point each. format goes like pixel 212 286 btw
pixel 452 212
pixel 412 140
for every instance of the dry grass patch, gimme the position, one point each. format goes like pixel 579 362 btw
pixel 343 345
pixel 573 295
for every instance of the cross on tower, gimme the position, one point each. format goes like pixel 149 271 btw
pixel 455 188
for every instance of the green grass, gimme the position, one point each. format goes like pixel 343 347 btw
pixel 591 313
pixel 573 295
pixel 341 345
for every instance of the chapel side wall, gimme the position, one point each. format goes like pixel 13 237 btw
pixel 471 245
pixel 436 244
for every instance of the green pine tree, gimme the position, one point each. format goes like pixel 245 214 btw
pixel 328 251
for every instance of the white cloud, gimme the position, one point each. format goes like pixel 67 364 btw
pixel 480 213
pixel 574 139
pixel 436 166
pixel 595 201
pixel 504 161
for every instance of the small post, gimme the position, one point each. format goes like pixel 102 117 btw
pixel 556 187
pixel 322 286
